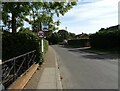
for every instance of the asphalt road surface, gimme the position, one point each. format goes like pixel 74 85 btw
pixel 86 70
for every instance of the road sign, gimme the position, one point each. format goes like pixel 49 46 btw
pixel 45 27
pixel 41 34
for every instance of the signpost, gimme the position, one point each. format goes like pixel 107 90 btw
pixel 42 46
pixel 44 27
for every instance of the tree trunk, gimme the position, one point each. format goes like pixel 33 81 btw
pixel 13 24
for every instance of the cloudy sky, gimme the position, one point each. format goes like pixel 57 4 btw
pixel 90 15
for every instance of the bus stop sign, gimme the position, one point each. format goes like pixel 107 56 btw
pixel 45 27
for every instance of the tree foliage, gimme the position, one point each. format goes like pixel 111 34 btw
pixel 54 38
pixel 63 34
pixel 109 29
pixel 72 35
pixel 108 38
pixel 60 36
pixel 14 13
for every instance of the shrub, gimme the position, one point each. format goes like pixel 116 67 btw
pixel 15 44
pixel 45 46
pixel 105 40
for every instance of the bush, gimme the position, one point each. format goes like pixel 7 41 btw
pixel 45 46
pixel 105 40
pixel 15 44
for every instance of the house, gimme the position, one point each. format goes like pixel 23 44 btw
pixel 82 36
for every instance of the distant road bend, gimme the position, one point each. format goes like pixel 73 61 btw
pixel 85 70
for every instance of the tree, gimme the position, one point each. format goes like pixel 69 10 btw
pixel 14 13
pixel 101 30
pixel 63 34
pixel 41 12
pixel 60 36
pixel 109 29
pixel 54 38
pixel 71 35
pixel 45 11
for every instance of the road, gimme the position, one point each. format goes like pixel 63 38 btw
pixel 85 70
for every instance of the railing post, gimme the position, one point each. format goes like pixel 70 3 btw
pixel 14 70
pixel 33 60
pixel 28 62
pixel 27 58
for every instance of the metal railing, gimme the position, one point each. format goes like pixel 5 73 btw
pixel 15 67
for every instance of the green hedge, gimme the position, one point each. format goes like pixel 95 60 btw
pixel 45 46
pixel 79 42
pixel 105 40
pixel 15 44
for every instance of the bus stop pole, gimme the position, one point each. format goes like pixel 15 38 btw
pixel 42 43
pixel 42 46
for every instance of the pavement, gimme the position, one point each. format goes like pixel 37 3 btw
pixel 47 75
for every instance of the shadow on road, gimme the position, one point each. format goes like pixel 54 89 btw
pixel 87 52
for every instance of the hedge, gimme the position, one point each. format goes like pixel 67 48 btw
pixel 79 42
pixel 15 44
pixel 45 46
pixel 105 40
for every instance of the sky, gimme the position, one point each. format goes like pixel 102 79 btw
pixel 89 16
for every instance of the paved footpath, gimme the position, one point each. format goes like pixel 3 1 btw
pixel 47 76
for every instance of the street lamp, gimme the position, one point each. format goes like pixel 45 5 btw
pixel 66 28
